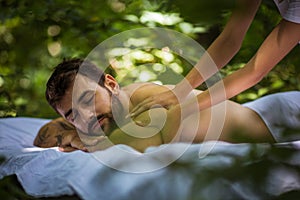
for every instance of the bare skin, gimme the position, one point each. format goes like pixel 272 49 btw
pixel 56 133
pixel 281 40
pixel 240 122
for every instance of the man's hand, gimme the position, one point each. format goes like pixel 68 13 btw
pixel 165 99
pixel 70 142
pixel 60 133
pixel 85 143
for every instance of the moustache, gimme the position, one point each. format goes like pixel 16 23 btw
pixel 93 123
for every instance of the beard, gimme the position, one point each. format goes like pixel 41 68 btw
pixel 111 120
pixel 118 111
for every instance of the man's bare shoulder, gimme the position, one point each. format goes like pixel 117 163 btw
pixel 140 91
pixel 134 86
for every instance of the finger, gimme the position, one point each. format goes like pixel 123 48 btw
pixel 141 123
pixel 144 107
pixel 67 137
pixel 147 101
pixel 67 149
pixel 77 143
pixel 140 108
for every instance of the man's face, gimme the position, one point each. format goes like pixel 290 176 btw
pixel 88 106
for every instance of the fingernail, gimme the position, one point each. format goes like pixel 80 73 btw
pixel 140 123
pixel 129 115
pixel 61 149
pixel 85 149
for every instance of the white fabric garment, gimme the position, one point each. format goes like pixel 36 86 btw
pixel 289 9
pixel 281 114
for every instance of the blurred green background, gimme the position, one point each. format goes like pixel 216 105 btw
pixel 36 35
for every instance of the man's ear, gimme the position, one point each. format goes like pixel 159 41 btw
pixel 111 84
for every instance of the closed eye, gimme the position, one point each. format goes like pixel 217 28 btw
pixel 86 97
pixel 89 99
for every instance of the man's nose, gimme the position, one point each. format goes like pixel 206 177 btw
pixel 87 114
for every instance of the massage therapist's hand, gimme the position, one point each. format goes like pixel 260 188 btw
pixel 165 99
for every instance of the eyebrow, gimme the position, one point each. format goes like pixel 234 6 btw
pixel 84 94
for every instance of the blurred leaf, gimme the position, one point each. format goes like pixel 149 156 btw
pixel 277 84
pixel 263 91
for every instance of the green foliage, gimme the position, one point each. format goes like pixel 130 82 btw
pixel 36 35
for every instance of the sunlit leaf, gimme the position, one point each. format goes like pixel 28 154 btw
pixel 262 91
pixel 160 18
pixel 20 101
pixel 277 84
pixel 146 76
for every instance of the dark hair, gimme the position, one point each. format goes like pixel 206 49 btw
pixel 64 74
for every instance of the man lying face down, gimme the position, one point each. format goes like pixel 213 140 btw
pixel 96 105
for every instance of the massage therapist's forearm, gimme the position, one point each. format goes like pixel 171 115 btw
pixel 224 47
pixel 275 47
pixel 281 40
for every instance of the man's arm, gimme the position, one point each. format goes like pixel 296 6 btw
pixel 59 133
pixel 51 134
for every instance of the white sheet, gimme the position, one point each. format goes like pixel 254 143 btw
pixel 230 171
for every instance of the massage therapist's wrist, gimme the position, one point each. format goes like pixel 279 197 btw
pixel 182 89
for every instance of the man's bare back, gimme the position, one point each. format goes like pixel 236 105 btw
pixel 241 124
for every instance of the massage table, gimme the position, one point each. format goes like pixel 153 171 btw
pixel 172 171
